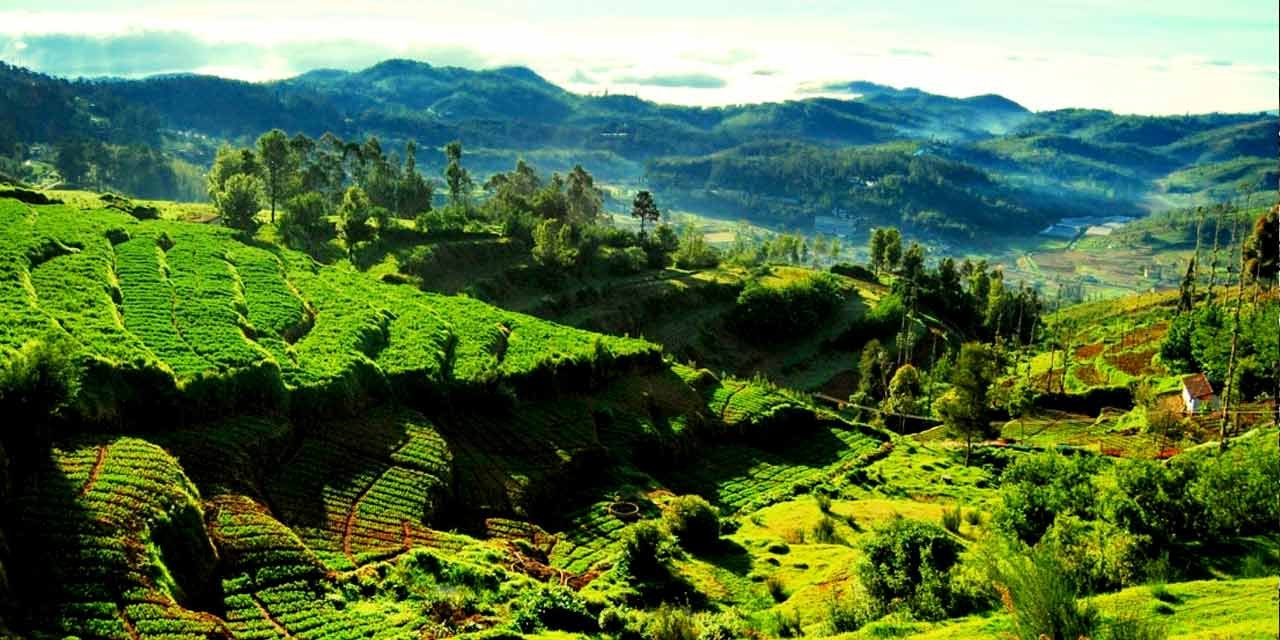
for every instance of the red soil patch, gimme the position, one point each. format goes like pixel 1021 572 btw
pixel 93 473
pixel 1144 335
pixel 1089 351
pixel 1133 363
pixel 1087 374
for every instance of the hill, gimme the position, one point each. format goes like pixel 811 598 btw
pixel 221 437
pixel 1069 162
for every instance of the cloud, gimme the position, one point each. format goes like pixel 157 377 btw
pixel 142 53
pixel 912 53
pixel 765 72
pixel 726 58
pixel 1218 63
pixel 128 54
pixel 681 80
pixel 579 77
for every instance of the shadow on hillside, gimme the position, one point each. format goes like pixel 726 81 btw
pixel 814 447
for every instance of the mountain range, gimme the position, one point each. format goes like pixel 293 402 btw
pixel 1024 166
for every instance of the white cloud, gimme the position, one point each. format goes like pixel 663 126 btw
pixel 583 51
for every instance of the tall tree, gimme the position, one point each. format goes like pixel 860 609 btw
pixel 279 166
pixel 874 365
pixel 1262 262
pixel 876 247
pixel 963 408
pixel 644 208
pixel 904 394
pixel 414 193
pixel 584 199
pixel 456 176
pixel 355 219
pixel 892 248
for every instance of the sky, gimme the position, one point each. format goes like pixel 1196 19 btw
pixel 1150 57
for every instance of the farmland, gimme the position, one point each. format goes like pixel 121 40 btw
pixel 262 444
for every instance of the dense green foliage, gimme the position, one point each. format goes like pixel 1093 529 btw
pixel 766 312
pixel 908 565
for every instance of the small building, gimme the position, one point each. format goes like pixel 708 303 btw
pixel 1197 393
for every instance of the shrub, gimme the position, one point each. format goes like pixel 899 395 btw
pixel 1041 597
pixel 824 502
pixel 693 522
pixel 777 591
pixel 694 252
pixel 951 519
pixel 973 517
pixel 552 608
pixel 770 312
pixel 1237 489
pixel 1130 626
pixel 645 551
pixel 783 624
pixel 39 380
pixel 1098 555
pixel 670 623
pixel 1036 488
pixel 907 563
pixel 825 531
pixel 846 613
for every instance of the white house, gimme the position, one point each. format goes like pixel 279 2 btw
pixel 1197 394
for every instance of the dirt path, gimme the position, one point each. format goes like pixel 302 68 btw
pixel 93 473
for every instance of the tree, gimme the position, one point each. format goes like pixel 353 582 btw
pixel 354 219
pixel 553 245
pixel 904 393
pixel 584 199
pixel 230 162
pixel 279 166
pixel 1019 402
pixel 239 201
pixel 693 252
pixel 72 160
pixel 305 215
pixel 963 408
pixel 455 176
pixel 873 371
pixel 415 193
pixel 644 208
pixel 892 248
pixel 1262 264
pixel 1187 290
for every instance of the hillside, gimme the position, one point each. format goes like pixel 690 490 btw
pixel 1036 167
pixel 227 438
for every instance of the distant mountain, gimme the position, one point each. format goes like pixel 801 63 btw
pixel 1071 159
pixel 988 113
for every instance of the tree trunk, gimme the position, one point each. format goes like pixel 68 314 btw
pixel 1231 360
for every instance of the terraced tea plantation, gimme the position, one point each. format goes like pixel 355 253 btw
pixel 265 446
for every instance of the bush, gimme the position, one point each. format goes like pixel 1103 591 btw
pixel 907 563
pixel 770 313
pixel 39 381
pixel 670 623
pixel 1237 489
pixel 846 613
pixel 694 252
pixel 1041 597
pixel 693 522
pixel 951 519
pixel 645 551
pixel 824 502
pixel 825 531
pixel 1098 555
pixel 777 591
pixel 557 608
pixel 1131 626
pixel 1036 488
